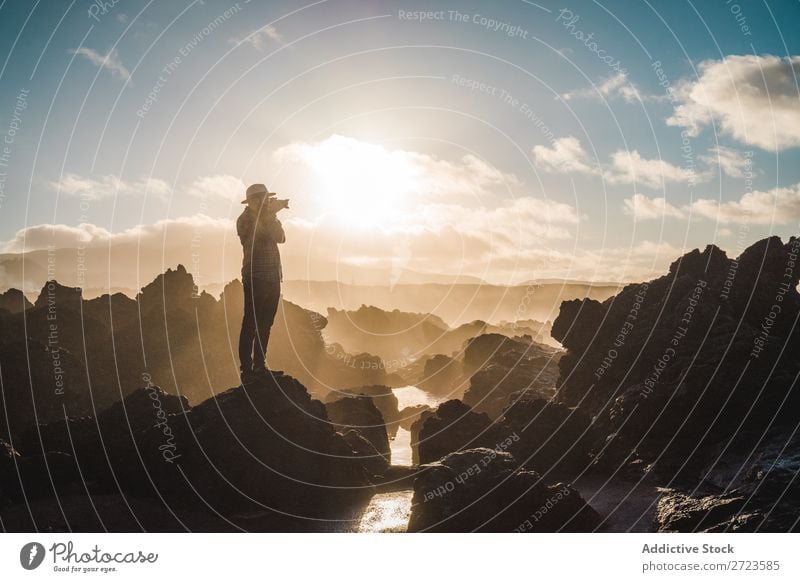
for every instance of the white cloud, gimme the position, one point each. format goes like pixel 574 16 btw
pixel 776 206
pixel 627 167
pixel 218 186
pixel 42 236
pixel 212 186
pixel 752 98
pixel 616 85
pixel 733 163
pixel 566 155
pixel 111 61
pixel 518 223
pixel 260 38
pixel 641 207
pixel 108 186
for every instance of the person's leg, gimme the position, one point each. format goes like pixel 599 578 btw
pixel 248 333
pixel 270 294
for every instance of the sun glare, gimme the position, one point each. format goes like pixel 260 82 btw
pixel 364 184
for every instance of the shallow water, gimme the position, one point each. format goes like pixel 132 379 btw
pixel 412 396
pixel 400 445
pixel 401 448
pixel 387 512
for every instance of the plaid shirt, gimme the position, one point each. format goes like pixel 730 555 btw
pixel 260 238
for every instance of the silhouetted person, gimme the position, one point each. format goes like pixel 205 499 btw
pixel 260 231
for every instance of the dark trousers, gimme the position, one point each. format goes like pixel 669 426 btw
pixel 260 305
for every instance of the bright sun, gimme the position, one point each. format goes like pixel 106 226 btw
pixel 362 184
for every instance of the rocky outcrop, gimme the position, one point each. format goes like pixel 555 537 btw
pixel 266 448
pixel 744 489
pixel 453 426
pixel 440 375
pixel 382 397
pixel 177 335
pixel 41 383
pixel 270 445
pixel 14 301
pixel 360 414
pixel 483 490
pixel 675 368
pixel 8 473
pixel 514 369
pixel 552 436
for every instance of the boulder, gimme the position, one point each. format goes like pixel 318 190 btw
pixel 382 397
pixel 14 301
pixel 452 427
pixel 745 489
pixel 268 445
pixel 40 384
pixel 360 414
pixel 8 473
pixel 440 375
pixel 483 490
pixel 523 369
pixel 375 463
pixel 551 436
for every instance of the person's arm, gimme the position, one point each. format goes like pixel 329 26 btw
pixel 277 233
pixel 270 227
pixel 244 227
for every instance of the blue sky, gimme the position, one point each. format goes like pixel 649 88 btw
pixel 509 140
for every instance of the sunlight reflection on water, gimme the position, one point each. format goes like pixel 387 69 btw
pixel 401 443
pixel 401 448
pixel 387 512
pixel 411 396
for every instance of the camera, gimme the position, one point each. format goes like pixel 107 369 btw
pixel 275 205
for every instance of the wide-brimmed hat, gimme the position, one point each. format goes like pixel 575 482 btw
pixel 257 191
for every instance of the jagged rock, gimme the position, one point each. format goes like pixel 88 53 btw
pixel 441 375
pixel 552 436
pixel 14 301
pixel 8 473
pixel 520 368
pixel 269 445
pixel 673 367
pixel 52 474
pixel 112 450
pixel 360 414
pixel 452 427
pixel 373 461
pixel 180 336
pixel 483 490
pixel 40 384
pixel 744 489
pixel 56 296
pixel 382 397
